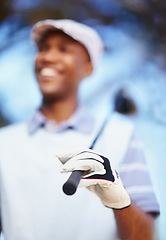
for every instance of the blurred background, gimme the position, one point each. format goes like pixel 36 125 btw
pixel 131 77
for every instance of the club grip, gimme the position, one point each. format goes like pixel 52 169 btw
pixel 70 186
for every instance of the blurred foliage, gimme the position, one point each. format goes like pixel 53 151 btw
pixel 3 120
pixel 145 19
pixel 148 14
pixel 5 9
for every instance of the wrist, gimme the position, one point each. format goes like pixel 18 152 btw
pixel 116 196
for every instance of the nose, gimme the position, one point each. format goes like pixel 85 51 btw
pixel 52 55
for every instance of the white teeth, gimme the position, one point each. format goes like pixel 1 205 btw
pixel 49 72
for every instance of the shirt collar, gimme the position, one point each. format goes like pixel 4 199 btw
pixel 82 120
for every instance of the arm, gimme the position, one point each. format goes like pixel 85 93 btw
pixel 134 224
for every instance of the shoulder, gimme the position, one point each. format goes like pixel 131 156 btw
pixel 120 126
pixel 115 138
pixel 13 131
pixel 13 127
pixel 121 119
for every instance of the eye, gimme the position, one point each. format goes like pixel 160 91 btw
pixel 64 48
pixel 43 47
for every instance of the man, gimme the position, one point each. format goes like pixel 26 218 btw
pixel 33 153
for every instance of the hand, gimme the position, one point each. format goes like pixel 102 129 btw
pixel 98 176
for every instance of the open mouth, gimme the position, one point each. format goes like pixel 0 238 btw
pixel 48 72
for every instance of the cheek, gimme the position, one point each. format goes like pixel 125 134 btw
pixel 71 67
pixel 80 71
pixel 75 67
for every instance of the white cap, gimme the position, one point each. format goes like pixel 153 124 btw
pixel 82 33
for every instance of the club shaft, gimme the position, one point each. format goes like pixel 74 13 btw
pixel 70 186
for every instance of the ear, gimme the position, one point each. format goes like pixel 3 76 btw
pixel 88 69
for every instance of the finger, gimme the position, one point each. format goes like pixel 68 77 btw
pixel 89 165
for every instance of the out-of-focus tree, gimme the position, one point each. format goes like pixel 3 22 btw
pixel 151 15
pixel 148 14
pixel 3 120
pixel 5 9
pixel 144 19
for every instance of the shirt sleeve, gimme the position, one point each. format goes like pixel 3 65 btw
pixel 136 178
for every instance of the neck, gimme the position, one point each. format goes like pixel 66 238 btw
pixel 58 111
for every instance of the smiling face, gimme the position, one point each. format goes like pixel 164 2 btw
pixel 61 64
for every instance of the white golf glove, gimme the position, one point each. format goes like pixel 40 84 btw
pixel 98 177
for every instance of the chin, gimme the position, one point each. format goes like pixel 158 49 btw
pixel 48 90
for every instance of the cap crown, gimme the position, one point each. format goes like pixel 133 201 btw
pixel 82 33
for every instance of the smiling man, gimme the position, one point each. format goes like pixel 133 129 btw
pixel 37 156
pixel 56 63
pixel 61 64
